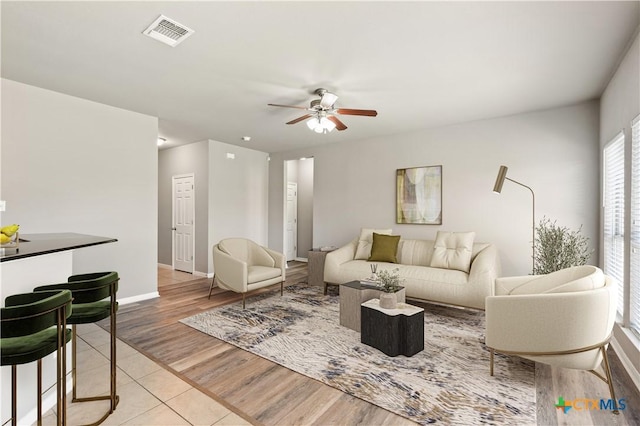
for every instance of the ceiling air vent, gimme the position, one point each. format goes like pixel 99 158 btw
pixel 168 31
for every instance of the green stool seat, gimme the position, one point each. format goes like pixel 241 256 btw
pixel 88 313
pixel 22 350
pixel 94 299
pixel 33 325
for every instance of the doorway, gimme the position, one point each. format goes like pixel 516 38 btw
pixel 298 217
pixel 183 222
pixel 291 239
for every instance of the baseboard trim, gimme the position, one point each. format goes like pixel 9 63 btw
pixel 139 298
pixel 202 274
pixel 301 259
pixel 626 363
pixel 163 266
pixel 49 398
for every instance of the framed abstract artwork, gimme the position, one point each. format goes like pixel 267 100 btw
pixel 419 195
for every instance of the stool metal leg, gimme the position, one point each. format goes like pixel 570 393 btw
pixel 39 373
pixel 74 351
pixel 61 371
pixel 14 395
pixel 114 397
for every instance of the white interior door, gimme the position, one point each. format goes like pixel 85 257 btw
pixel 183 222
pixel 292 221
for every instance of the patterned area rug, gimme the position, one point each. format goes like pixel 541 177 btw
pixel 447 383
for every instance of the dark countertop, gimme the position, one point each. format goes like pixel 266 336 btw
pixel 38 244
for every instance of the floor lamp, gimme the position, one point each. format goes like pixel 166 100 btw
pixel 497 188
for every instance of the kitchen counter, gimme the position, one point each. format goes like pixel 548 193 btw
pixel 41 244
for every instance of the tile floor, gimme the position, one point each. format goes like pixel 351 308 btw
pixel 149 394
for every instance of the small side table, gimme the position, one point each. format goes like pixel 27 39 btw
pixel 352 295
pixel 392 331
pixel 315 267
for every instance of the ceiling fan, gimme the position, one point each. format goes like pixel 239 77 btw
pixel 322 112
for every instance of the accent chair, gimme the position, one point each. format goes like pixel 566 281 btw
pixel 564 319
pixel 241 265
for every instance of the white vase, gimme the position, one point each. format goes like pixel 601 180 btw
pixel 388 300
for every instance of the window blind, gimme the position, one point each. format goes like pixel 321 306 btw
pixel 613 203
pixel 634 302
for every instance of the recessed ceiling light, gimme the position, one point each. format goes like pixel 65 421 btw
pixel 246 138
pixel 161 141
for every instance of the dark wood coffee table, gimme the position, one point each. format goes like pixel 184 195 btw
pixel 393 331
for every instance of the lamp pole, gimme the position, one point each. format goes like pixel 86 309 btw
pixel 533 224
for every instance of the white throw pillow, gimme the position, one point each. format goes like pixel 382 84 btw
pixel 366 241
pixel 452 250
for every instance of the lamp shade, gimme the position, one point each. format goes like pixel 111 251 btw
pixel 502 174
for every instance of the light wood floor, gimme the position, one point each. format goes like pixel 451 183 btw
pixel 265 393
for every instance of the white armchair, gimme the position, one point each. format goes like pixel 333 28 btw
pixel 241 265
pixel 564 319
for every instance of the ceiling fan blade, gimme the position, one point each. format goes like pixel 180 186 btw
pixel 350 111
pixel 339 124
pixel 288 106
pixel 328 99
pixel 299 119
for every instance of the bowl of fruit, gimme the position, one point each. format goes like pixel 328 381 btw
pixel 9 235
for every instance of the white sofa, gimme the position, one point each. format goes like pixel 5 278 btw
pixel 420 280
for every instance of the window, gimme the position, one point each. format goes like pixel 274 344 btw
pixel 613 201
pixel 634 302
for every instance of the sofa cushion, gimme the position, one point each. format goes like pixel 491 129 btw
pixel 577 278
pixel 363 251
pixel 415 252
pixel 452 250
pixel 384 248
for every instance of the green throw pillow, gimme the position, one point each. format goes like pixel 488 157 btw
pixel 384 248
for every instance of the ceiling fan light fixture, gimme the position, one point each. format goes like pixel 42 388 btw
pixel 320 124
pixel 327 124
pixel 321 116
pixel 312 123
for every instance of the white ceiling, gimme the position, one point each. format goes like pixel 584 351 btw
pixel 419 64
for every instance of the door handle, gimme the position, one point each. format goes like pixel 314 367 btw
pixel 173 229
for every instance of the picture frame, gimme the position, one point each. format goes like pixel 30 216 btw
pixel 419 195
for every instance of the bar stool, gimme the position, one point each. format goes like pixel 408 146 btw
pixel 90 292
pixel 32 326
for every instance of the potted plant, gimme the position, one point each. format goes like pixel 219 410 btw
pixel 389 284
pixel 559 247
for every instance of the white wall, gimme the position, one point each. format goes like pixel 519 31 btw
pixel 619 105
pixel 238 205
pixel 553 151
pixel 71 165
